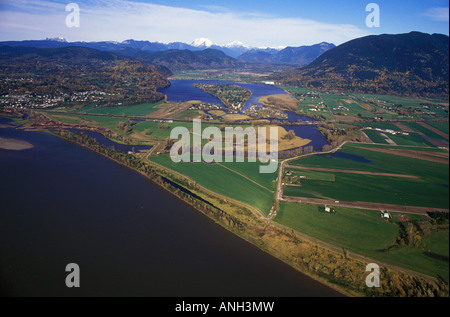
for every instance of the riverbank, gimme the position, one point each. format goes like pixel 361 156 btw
pixel 338 270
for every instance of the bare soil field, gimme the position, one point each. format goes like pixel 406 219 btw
pixel 404 128
pixel 362 105
pixel 366 106
pixel 167 111
pixel 284 101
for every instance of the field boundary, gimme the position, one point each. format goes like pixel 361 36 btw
pixel 364 205
pixel 299 167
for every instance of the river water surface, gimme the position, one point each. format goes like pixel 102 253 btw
pixel 61 203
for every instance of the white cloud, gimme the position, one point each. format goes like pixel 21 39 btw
pixel 119 20
pixel 438 14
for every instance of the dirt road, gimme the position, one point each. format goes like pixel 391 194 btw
pixel 350 171
pixel 364 205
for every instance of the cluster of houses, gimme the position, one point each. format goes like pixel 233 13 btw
pixel 291 179
pixel 320 106
pixel 49 101
pixel 205 106
pixel 309 94
pixel 257 111
pixel 341 108
pixel 235 107
pixel 389 131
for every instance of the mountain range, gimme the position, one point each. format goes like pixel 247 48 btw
pixel 414 64
pixel 179 60
pixel 302 55
pixel 235 49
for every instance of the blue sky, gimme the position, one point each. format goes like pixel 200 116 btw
pixel 258 23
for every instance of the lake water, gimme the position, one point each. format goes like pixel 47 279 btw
pixel 61 203
pixel 309 132
pixel 183 90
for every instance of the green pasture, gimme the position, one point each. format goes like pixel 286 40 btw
pixel 430 189
pixel 373 188
pixel 136 110
pixel 375 137
pixel 366 233
pixel 309 174
pixel 442 126
pixel 427 132
pixel 225 182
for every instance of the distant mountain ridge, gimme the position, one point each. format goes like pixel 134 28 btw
pixel 176 60
pixel 410 64
pixel 131 47
pixel 302 55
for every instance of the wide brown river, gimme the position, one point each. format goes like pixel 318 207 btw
pixel 61 203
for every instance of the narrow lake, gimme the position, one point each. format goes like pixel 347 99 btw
pixel 183 90
pixel 61 203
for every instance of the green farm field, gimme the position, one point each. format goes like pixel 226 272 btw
pixel 442 126
pixel 380 125
pixel 99 121
pixel 136 110
pixel 366 233
pixel 413 139
pixel 376 137
pixel 426 187
pixel 312 174
pixel 370 188
pixel 421 129
pixel 243 183
pixel 359 157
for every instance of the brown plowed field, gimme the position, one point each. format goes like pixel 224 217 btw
pixel 404 127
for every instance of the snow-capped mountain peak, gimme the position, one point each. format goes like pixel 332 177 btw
pixel 236 44
pixel 202 42
pixel 56 39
